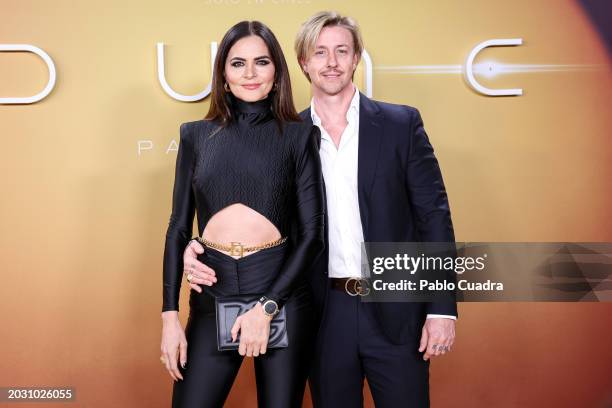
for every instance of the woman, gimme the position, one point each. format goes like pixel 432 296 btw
pixel 251 170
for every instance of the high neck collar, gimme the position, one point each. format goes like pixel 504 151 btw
pixel 261 106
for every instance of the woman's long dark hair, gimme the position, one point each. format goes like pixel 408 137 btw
pixel 282 99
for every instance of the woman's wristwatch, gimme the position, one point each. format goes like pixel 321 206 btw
pixel 270 307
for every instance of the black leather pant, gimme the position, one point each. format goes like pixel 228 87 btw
pixel 280 373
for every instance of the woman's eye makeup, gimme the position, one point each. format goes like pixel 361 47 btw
pixel 240 63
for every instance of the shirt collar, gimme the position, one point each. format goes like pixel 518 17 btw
pixel 353 109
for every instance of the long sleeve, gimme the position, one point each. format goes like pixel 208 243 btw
pixel 310 218
pixel 181 220
pixel 429 200
pixel 426 187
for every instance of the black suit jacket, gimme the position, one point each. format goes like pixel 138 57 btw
pixel 401 199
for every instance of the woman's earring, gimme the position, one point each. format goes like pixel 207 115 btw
pixel 226 87
pixel 275 86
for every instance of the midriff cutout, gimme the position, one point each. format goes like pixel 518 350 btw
pixel 240 223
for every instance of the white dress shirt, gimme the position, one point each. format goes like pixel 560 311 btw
pixel 339 167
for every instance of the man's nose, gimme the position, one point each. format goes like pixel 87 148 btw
pixel 331 60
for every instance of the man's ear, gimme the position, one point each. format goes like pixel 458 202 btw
pixel 303 64
pixel 356 59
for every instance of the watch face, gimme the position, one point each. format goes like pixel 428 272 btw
pixel 270 307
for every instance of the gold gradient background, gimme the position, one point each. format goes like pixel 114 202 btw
pixel 83 216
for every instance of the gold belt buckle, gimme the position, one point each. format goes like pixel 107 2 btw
pixel 237 249
pixel 358 287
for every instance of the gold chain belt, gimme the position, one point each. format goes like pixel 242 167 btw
pixel 238 249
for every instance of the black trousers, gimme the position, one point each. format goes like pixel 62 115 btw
pixel 280 373
pixel 350 346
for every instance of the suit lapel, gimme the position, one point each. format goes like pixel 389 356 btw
pixel 370 133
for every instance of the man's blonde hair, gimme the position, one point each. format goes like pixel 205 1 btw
pixel 311 29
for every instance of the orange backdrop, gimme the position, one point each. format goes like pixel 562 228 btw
pixel 84 211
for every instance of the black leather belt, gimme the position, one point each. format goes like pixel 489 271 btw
pixel 351 286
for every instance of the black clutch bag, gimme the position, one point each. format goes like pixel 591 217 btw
pixel 228 308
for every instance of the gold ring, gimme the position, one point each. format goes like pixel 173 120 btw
pixel 189 277
pixel 163 361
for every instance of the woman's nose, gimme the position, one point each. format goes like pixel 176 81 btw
pixel 250 72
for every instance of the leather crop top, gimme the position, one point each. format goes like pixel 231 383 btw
pixel 250 161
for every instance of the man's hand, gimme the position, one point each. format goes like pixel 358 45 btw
pixel 437 337
pixel 202 274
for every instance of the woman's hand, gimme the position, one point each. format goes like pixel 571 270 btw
pixel 173 343
pixel 254 327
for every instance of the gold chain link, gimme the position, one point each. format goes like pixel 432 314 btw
pixel 237 246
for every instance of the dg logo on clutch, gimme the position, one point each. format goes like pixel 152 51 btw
pixel 228 308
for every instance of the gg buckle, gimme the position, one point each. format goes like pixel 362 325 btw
pixel 359 287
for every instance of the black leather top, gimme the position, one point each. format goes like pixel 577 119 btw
pixel 251 161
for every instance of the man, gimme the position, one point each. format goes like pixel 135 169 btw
pixel 383 184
